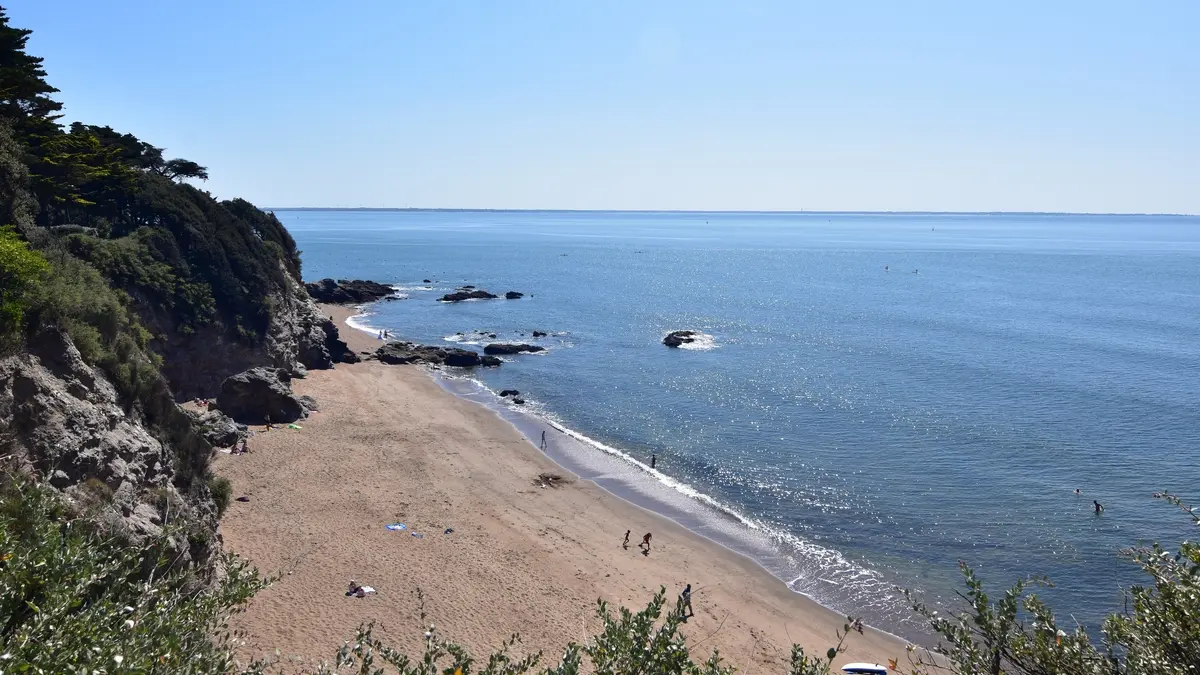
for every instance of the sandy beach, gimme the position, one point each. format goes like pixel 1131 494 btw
pixel 390 446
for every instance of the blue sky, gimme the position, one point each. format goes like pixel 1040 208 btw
pixel 953 106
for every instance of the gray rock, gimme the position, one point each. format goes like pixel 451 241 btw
pixel 513 295
pixel 219 429
pixel 66 424
pixel 259 394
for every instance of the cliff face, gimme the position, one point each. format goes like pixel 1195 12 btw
pixel 298 337
pixel 63 421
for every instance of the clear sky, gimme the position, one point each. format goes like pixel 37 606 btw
pixel 834 105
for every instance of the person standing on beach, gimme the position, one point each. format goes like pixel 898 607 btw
pixel 685 602
pixel 1098 505
pixel 625 544
pixel 543 439
pixel 645 545
pixel 653 460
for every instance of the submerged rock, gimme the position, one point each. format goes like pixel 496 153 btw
pixel 505 348
pixel 459 296
pixel 538 333
pixel 679 337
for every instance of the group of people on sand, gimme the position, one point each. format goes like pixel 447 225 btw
pixel 644 546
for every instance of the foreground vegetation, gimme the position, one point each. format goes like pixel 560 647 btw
pixel 73 599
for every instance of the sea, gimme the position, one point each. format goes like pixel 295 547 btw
pixel 872 398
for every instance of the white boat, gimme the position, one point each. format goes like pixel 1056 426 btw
pixel 864 669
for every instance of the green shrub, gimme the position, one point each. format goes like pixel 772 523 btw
pixel 222 492
pixel 73 600
pixel 21 273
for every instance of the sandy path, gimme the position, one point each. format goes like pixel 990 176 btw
pixel 389 445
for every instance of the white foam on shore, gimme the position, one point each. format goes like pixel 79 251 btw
pixel 807 567
pixel 358 321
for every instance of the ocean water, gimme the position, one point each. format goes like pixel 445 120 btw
pixel 876 397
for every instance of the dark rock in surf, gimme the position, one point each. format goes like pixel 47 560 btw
pixel 426 281
pixel 679 337
pixel 509 392
pixel 513 295
pixel 459 296
pixel 399 353
pixel 538 333
pixel 489 361
pixel 519 401
pixel 344 292
pixel 504 348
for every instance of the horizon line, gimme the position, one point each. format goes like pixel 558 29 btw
pixel 774 212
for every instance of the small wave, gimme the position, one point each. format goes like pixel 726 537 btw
pixel 359 321
pixel 400 289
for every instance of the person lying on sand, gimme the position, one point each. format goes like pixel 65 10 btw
pixel 359 591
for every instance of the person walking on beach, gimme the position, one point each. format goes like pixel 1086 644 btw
pixel 625 544
pixel 1099 507
pixel 653 460
pixel 543 439
pixel 645 545
pixel 685 602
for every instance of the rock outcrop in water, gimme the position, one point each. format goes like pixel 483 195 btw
pixel 513 295
pixel 348 292
pixel 459 296
pixel 679 337
pixel 399 353
pixel 506 348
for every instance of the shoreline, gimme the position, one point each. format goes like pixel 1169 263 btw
pixel 632 481
pixel 392 445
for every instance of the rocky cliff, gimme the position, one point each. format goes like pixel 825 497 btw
pixel 139 467
pixel 298 338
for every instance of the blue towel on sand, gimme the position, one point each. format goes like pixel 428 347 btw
pixel 396 527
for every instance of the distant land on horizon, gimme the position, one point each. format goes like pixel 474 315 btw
pixel 785 213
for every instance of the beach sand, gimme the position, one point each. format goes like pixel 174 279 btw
pixel 389 445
